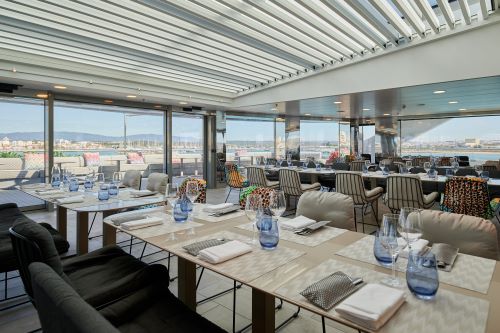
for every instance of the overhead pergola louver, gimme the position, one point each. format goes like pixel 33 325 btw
pixel 223 45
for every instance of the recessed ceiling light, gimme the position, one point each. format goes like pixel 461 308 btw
pixel 108 101
pixel 439 91
pixel 387 114
pixel 60 87
pixel 131 96
pixel 328 119
pixel 365 109
pixel 340 111
pixel 274 109
pixel 452 102
pixel 42 95
pixel 462 109
pixel 337 102
pixel 157 106
pixel 183 103
pixel 307 114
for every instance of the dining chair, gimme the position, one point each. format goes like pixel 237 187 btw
pixel 406 191
pixel 472 235
pixel 466 195
pixel 257 177
pixel 357 165
pixel 157 182
pixel 234 179
pixel 351 183
pixel 264 193
pixel 292 187
pixel 335 207
pixel 132 179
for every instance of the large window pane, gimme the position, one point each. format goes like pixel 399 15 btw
pixel 319 139
pixel 107 139
pixel 187 144
pixel 22 155
pixel 476 137
pixel 248 138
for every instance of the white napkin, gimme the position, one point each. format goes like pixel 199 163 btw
pixel 422 174
pixel 379 172
pixel 141 193
pixel 49 191
pixel 419 245
pixel 127 218
pixel 217 208
pixel 143 223
pixel 372 306
pixel 69 200
pixel 296 223
pixel 224 252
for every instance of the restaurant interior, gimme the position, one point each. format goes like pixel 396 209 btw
pixel 249 166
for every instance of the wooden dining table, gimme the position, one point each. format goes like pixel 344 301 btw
pixel 296 263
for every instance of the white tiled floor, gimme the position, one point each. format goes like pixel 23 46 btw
pixel 219 310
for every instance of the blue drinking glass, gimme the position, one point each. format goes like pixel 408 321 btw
pixel 449 173
pixel 382 254
pixel 269 232
pixel 113 189
pixel 73 185
pixel 179 214
pixel 365 168
pixel 422 275
pixel 318 167
pixel 88 184
pixel 56 181
pixel 485 175
pixel 385 170
pixel 103 193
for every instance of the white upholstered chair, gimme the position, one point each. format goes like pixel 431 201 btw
pixel 257 176
pixel 132 179
pixel 157 182
pixel 406 191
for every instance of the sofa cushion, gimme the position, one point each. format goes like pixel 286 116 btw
pixel 92 159
pixel 132 178
pixel 135 158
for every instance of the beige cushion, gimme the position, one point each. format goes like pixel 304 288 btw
pixel 272 184
pixel 472 235
pixel 157 182
pixel 11 163
pixel 310 187
pixel 328 206
pixel 132 179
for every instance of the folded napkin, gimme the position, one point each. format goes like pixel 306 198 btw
pixel 49 191
pixel 143 223
pixel 372 306
pixel 126 218
pixel 195 248
pixel 224 252
pixel 217 208
pixel 419 245
pixel 141 193
pixel 296 223
pixel 422 174
pixel 445 255
pixel 70 200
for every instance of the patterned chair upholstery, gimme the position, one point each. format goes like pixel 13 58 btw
pixel 257 177
pixel 202 187
pixel 264 193
pixel 351 183
pixel 234 179
pixel 290 183
pixel 406 191
pixel 357 165
pixel 466 195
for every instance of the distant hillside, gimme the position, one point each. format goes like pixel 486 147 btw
pixel 75 136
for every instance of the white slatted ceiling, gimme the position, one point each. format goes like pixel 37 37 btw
pixel 226 45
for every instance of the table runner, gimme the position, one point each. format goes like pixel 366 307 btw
pixel 318 237
pixel 248 266
pixel 450 312
pixel 469 272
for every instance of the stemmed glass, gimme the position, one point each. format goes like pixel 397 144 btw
pixel 253 208
pixel 56 177
pixel 306 163
pixel 277 203
pixel 289 160
pixel 410 225
pixel 427 167
pixel 408 165
pixel 479 169
pixel 455 166
pixel 192 191
pixel 171 194
pixel 388 237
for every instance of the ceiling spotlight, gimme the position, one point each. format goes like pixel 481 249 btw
pixel 42 95
pixel 439 91
pixel 387 114
pixel 14 70
pixel 452 102
pixel 365 109
pixel 59 87
pixel 131 96
pixel 337 102
pixel 157 106
pixel 274 109
pixel 462 109
pixel 183 103
pixel 340 111
pixel 328 119
pixel 307 114
pixel 108 101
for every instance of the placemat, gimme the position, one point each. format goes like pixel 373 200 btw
pixel 249 266
pixel 204 216
pixel 450 312
pixel 469 272
pixel 318 237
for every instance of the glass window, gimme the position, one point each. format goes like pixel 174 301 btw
pixel 107 139
pixel 476 137
pixel 187 144
pixel 319 139
pixel 248 138
pixel 22 148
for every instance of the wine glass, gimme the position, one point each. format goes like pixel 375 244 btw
pixel 171 194
pixel 408 165
pixel 56 177
pixel 479 169
pixel 289 160
pixel 427 167
pixel 253 208
pixel 410 225
pixel 306 163
pixel 100 178
pixel 389 240
pixel 192 191
pixel 117 177
pixel 455 166
pixel 277 203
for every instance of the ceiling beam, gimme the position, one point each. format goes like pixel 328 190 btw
pixel 429 14
pixel 411 16
pixel 464 7
pixel 484 9
pixel 390 14
pixel 447 13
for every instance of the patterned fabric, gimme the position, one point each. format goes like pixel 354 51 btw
pixel 264 193
pixel 234 178
pixel 34 161
pixel 202 187
pixel 467 195
pixel 91 159
pixel 406 191
pixel 135 158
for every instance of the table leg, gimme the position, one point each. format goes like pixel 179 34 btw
pixel 373 183
pixel 82 230
pixel 187 282
pixel 262 311
pixel 108 232
pixel 62 221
